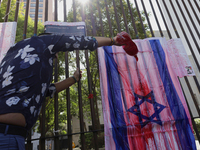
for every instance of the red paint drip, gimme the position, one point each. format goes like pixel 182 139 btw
pixel 129 46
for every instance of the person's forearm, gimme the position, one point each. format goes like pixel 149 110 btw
pixel 62 85
pixel 103 41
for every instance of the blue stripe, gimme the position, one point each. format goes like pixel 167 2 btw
pixel 119 129
pixel 185 134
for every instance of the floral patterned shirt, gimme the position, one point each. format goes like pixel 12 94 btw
pixel 26 72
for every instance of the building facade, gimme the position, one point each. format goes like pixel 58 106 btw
pixel 41 10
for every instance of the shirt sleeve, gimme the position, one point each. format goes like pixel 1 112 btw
pixel 69 43
pixel 51 90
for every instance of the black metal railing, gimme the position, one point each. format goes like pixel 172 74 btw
pixel 182 24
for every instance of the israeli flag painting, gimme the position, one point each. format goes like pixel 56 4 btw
pixel 141 106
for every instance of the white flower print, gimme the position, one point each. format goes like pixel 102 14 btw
pixel 7 81
pixel 11 91
pixel 51 61
pixel 1 70
pixel 26 102
pixel 72 38
pixel 50 47
pixel 76 45
pixel 37 99
pixel 78 38
pixel 3 63
pixel 67 45
pixel 8 72
pixel 23 89
pixel 35 113
pixel 85 46
pixel 23 52
pixel 32 58
pixel 32 109
pixel 53 90
pixel 12 101
pixel 44 86
pixel 86 39
pixel 94 45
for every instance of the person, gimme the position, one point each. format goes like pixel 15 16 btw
pixel 25 76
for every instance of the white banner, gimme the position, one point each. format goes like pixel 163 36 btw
pixel 7 37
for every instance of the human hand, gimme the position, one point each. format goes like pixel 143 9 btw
pixel 128 45
pixel 77 74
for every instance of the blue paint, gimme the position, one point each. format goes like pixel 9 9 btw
pixel 119 129
pixel 185 134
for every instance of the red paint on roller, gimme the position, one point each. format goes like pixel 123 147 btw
pixel 129 46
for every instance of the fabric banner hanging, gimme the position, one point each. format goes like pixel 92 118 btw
pixel 142 108
pixel 7 37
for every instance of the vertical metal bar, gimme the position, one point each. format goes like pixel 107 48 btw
pixel 91 102
pixel 36 18
pixel 116 16
pixel 46 10
pixel 169 34
pixel 186 80
pixel 132 19
pixel 197 31
pixel 108 18
pixel 42 139
pixel 29 145
pixel 193 12
pixel 7 11
pixel 124 16
pixel 196 5
pixel 69 130
pixel 147 17
pixel 100 18
pixel 83 145
pixel 17 10
pixel 94 32
pixel 193 122
pixel 160 30
pixel 56 139
pixel 94 124
pixel 56 11
pixel 74 10
pixel 64 10
pixel 140 18
pixel 197 45
pixel 26 19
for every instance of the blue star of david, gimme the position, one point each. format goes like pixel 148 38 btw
pixel 157 108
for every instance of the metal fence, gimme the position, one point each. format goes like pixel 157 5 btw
pixel 171 19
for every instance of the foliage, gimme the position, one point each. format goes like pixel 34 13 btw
pixel 91 18
pixel 20 21
pixel 197 122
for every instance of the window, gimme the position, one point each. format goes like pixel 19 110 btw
pixel 33 0
pixel 40 0
pixel 39 15
pixel 40 5
pixel 40 10
pixel 32 15
pixel 32 10
pixel 33 4
pixel 24 4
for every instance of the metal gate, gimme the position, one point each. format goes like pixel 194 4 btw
pixel 141 19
